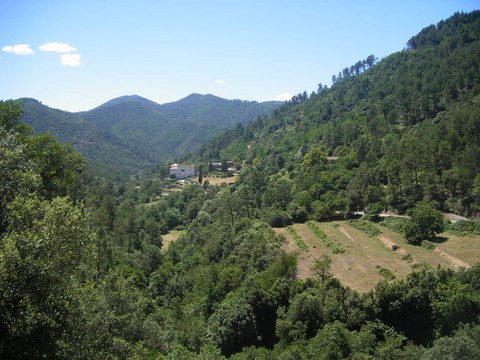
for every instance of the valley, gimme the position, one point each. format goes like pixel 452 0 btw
pixel 131 133
pixel 108 252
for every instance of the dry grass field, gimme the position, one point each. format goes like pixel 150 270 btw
pixel 219 180
pixel 171 237
pixel 367 260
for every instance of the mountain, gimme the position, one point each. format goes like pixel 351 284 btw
pixel 405 129
pixel 130 132
pixel 126 99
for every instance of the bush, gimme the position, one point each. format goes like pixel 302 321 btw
pixel 298 213
pixel 366 226
pixel 465 228
pixel 395 223
pixel 276 217
pixel 386 273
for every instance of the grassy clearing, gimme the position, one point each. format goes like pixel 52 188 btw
pixel 466 248
pixel 172 236
pixel 219 180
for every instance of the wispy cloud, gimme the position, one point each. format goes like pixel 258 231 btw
pixel 220 82
pixel 72 60
pixel 57 47
pixel 283 97
pixel 20 49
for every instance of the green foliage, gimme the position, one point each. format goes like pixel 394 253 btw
pixel 386 273
pixel 45 245
pixel 276 217
pixel 232 325
pixel 454 303
pixel 395 223
pixel 424 224
pixel 17 173
pixel 405 302
pixel 321 267
pixel 314 158
pixel 57 164
pixel 373 210
pixel 366 226
pixel 465 228
pixel 463 344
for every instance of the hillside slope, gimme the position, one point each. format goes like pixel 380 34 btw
pixel 405 129
pixel 130 132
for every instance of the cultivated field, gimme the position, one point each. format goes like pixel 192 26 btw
pixel 366 260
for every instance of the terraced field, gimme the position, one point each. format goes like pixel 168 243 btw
pixel 366 260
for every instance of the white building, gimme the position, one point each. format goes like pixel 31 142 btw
pixel 182 171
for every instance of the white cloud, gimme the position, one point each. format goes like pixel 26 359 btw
pixel 220 82
pixel 20 49
pixel 283 97
pixel 57 47
pixel 72 60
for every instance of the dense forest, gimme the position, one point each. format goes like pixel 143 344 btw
pixel 85 271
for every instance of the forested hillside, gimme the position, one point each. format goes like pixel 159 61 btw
pixel 86 271
pixel 404 129
pixel 131 133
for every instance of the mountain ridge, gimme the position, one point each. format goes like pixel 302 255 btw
pixel 130 132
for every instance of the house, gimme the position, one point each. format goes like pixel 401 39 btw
pixel 182 171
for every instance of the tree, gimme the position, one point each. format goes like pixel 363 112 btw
pixel 462 345
pixel 56 163
pixel 321 267
pixel 373 210
pixel 314 158
pixel 10 111
pixel 232 325
pixel 454 303
pixel 17 174
pixel 424 224
pixel 224 166
pixel 45 246
pixel 200 174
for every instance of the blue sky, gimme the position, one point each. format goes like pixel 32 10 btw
pixel 76 55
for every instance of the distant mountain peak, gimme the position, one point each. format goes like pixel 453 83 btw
pixel 196 97
pixel 127 99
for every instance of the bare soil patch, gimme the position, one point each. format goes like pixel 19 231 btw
pixel 392 245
